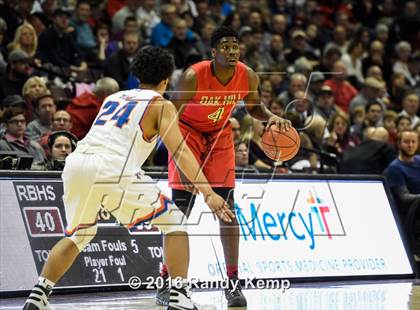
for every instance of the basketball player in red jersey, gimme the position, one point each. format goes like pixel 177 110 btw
pixel 205 98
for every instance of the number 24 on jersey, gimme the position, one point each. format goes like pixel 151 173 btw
pixel 120 116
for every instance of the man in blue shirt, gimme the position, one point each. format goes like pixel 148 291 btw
pixel 85 39
pixel 162 32
pixel 403 173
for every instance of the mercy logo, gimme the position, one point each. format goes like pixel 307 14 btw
pixel 319 210
pixel 310 217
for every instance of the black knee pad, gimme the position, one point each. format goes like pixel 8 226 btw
pixel 184 200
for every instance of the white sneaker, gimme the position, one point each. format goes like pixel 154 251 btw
pixel 180 299
pixel 37 300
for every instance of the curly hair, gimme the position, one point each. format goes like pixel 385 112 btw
pixel 152 64
pixel 221 32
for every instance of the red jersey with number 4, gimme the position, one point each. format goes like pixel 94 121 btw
pixel 213 102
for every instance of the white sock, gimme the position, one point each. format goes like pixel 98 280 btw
pixel 45 283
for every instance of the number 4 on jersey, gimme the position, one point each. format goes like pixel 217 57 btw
pixel 216 116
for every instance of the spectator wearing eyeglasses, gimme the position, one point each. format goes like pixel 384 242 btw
pixel 8 102
pixel 61 122
pixel 14 138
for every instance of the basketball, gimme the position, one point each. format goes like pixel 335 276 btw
pixel 280 146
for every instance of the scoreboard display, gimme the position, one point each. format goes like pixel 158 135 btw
pixel 111 258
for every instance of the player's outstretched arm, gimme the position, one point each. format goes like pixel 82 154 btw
pixel 174 141
pixel 256 109
pixel 185 90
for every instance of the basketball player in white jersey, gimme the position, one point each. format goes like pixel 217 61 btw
pixel 103 171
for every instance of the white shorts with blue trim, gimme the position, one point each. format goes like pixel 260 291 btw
pixel 90 184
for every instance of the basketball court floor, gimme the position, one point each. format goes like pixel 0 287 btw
pixel 389 294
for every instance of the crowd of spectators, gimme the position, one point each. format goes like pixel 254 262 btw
pixel 345 72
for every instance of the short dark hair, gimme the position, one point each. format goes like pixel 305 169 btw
pixel 46 94
pixel 152 64
pixel 277 101
pixel 129 19
pixel 102 25
pixel 238 143
pixel 400 118
pixel 221 32
pixel 371 103
pixel 80 2
pixel 12 112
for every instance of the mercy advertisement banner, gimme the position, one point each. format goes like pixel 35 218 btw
pixel 303 228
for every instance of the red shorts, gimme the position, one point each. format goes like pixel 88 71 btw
pixel 214 152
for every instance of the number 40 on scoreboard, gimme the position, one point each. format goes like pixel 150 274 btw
pixel 43 222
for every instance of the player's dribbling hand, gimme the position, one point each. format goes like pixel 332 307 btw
pixel 281 123
pixel 219 207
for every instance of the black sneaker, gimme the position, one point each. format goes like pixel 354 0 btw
pixel 162 294
pixel 234 295
pixel 179 299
